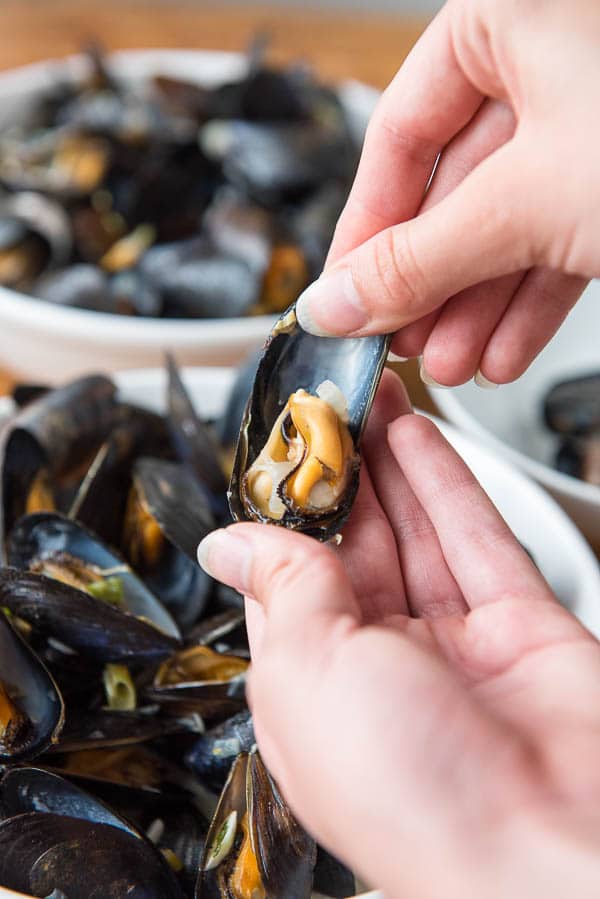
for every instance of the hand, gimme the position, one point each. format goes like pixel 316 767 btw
pixel 484 267
pixel 431 713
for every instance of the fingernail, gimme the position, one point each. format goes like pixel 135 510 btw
pixel 393 358
pixel 226 556
pixel 331 306
pixel 483 382
pixel 428 380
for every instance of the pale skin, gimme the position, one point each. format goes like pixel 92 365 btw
pixel 507 92
pixel 430 711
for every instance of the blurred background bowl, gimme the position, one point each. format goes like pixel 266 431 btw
pixel 509 420
pixel 49 343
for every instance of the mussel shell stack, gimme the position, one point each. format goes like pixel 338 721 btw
pixel 38 712
pixel 293 359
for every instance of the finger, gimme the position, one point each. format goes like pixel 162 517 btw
pixel 418 114
pixel 264 562
pixel 491 127
pixel 453 350
pixel 544 297
pixel 430 587
pixel 368 549
pixel 370 557
pixel 478 232
pixel 255 625
pixel 484 556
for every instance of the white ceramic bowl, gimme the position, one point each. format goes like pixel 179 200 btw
pixel 44 342
pixel 509 419
pixel 561 553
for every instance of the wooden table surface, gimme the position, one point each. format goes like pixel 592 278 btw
pixel 339 45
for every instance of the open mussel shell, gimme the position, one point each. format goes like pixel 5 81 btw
pixel 100 729
pixel 167 516
pixel 198 679
pixel 45 541
pixel 293 359
pixel 42 854
pixel 86 624
pixel 572 407
pixel 53 434
pixel 31 707
pixel 254 839
pixel 24 790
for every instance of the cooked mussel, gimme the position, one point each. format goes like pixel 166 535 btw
pixel 35 235
pixel 255 848
pixel 31 707
pixel 297 461
pixel 167 515
pixel 60 548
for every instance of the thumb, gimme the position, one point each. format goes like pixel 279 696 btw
pixel 481 230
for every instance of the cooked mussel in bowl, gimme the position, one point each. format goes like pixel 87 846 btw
pixel 126 743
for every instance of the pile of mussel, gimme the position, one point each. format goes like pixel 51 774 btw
pixel 172 199
pixel 127 753
pixel 572 412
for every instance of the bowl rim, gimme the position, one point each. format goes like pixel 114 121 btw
pixel 449 403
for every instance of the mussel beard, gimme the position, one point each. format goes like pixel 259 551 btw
pixel 306 464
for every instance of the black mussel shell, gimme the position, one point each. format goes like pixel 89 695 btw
pixel 274 162
pixel 23 394
pixel 172 496
pixel 102 729
pixel 92 627
pixel 216 286
pixel 284 852
pixel 225 627
pixel 42 853
pixel 58 431
pixel 193 439
pixel 83 286
pixel 36 698
pixel 24 790
pixel 214 752
pixel 46 535
pixel 332 878
pixel 572 407
pixel 293 359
